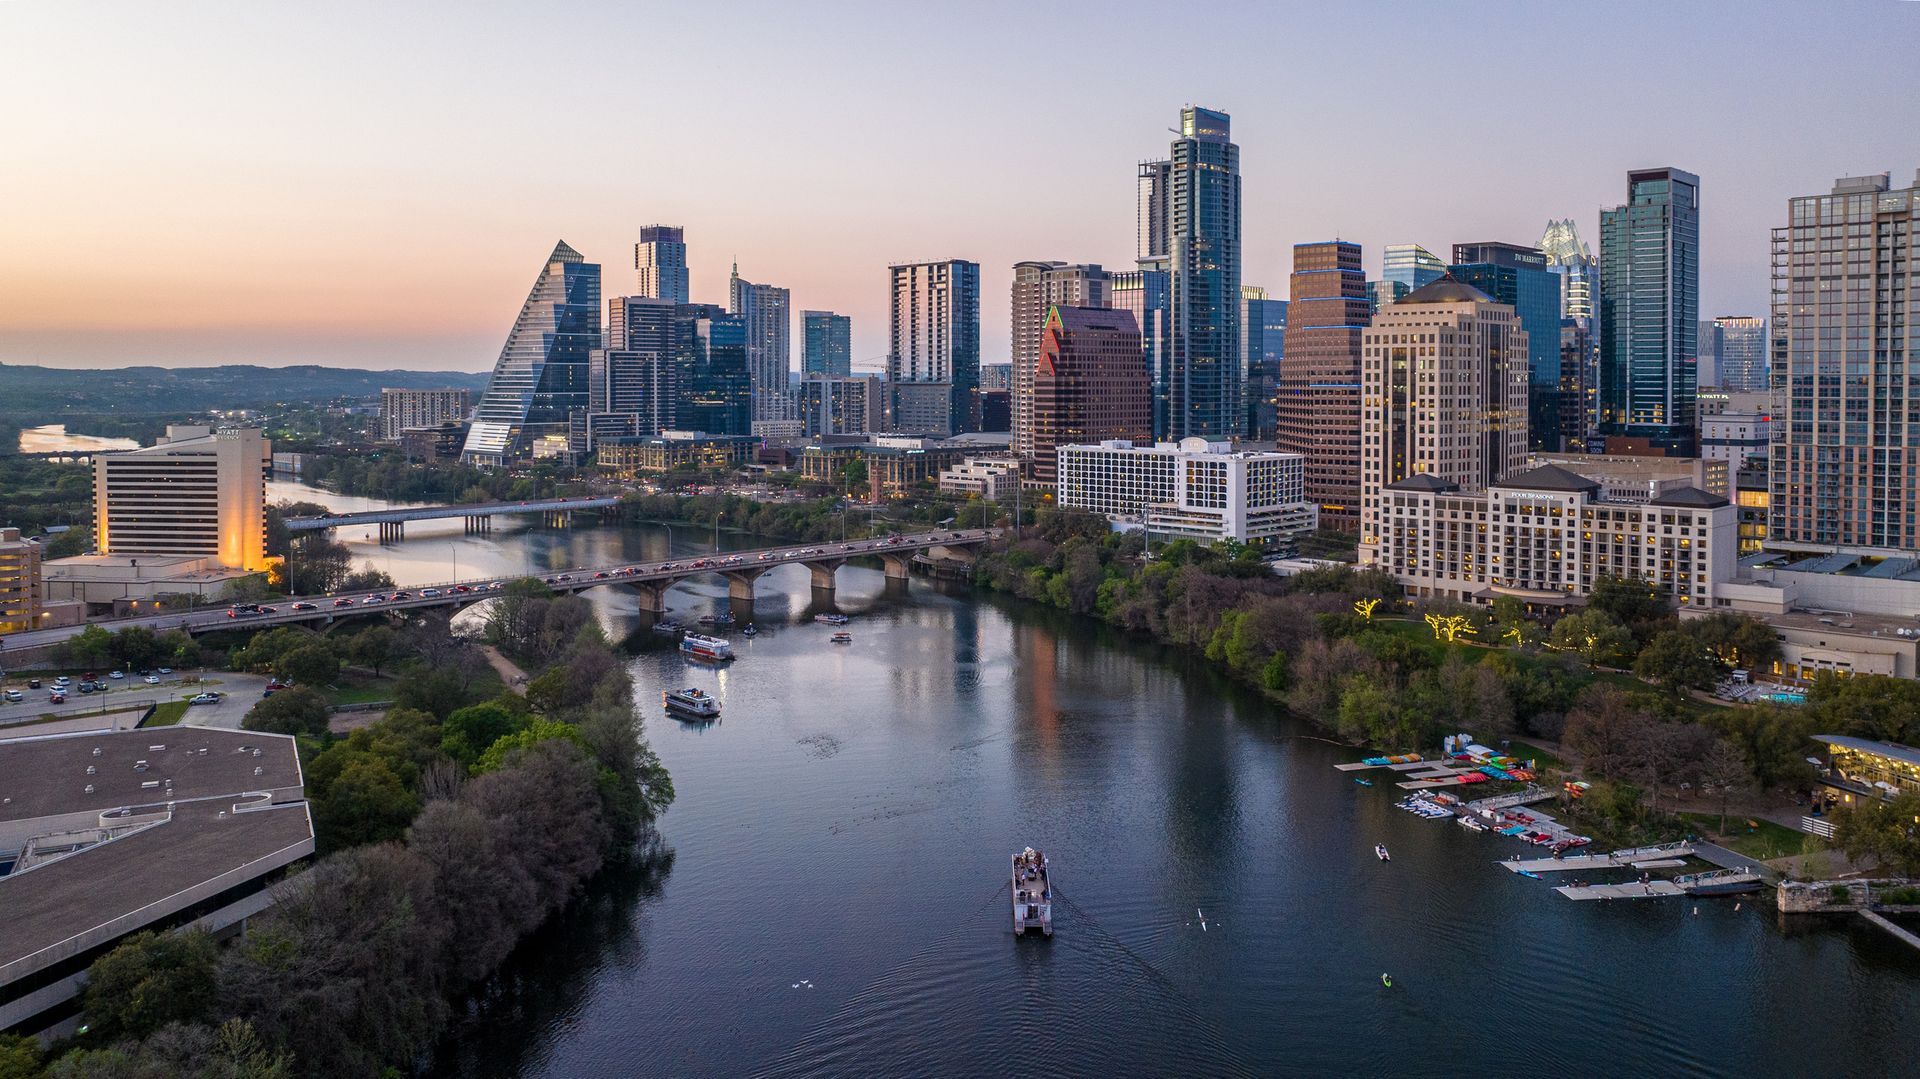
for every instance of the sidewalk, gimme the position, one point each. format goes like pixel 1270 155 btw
pixel 508 670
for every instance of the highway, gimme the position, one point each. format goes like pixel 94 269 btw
pixel 462 592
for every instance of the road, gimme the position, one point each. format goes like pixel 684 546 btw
pixel 459 593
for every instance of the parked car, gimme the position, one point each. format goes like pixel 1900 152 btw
pixel 116 674
pixel 33 683
pixel 163 670
pixel 153 679
pixel 15 695
pixel 86 687
pixel 57 697
pixel 204 698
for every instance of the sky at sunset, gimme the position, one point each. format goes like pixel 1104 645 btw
pixel 376 184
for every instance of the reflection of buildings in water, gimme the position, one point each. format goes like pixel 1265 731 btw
pixel 1036 674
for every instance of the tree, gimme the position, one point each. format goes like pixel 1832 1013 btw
pixel 371 647
pixel 1678 661
pixel 469 731
pixel 539 730
pixel 365 803
pixel 150 980
pixel 1885 830
pixel 1725 770
pixel 1738 640
pixel 313 664
pixel 135 646
pixel 1867 706
pixel 1629 602
pixel 91 647
pixel 265 648
pixel 299 710
pixel 1594 635
pixel 1602 727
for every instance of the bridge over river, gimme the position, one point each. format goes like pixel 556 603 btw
pixel 478 515
pixel 649 580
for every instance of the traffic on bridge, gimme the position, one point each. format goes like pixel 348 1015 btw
pixel 651 580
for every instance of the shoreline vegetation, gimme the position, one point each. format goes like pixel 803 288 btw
pixel 447 832
pixel 1614 686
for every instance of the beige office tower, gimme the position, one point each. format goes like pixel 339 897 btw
pixel 1037 287
pixel 1443 393
pixel 197 493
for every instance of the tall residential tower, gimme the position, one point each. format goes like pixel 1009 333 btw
pixel 1650 311
pixel 827 344
pixel 1038 287
pixel 768 314
pixel 933 353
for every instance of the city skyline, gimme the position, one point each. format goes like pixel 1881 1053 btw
pixel 265 263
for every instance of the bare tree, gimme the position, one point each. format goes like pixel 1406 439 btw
pixel 1726 770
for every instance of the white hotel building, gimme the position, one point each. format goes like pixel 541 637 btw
pixel 1546 535
pixel 1193 489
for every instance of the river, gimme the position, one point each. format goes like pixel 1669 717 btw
pixel 836 900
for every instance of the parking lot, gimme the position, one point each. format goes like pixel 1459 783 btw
pixel 239 693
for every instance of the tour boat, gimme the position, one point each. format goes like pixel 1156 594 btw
pixel 1381 850
pixel 1032 893
pixel 842 637
pixel 693 703
pixel 831 619
pixel 701 646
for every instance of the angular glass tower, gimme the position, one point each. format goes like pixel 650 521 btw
pixel 542 373
pixel 1410 265
pixel 1650 311
pixel 1198 392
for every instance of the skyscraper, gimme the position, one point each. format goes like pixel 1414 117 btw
pixel 767 313
pixel 827 344
pixel 1263 328
pixel 1650 311
pixel 1147 295
pixel 934 315
pixel 1189 209
pixel 1088 384
pixel 1318 410
pixel 1846 368
pixel 634 375
pixel 713 391
pixel 1740 352
pixel 1410 265
pixel 1568 255
pixel 1445 394
pixel 660 263
pixel 1519 277
pixel 541 375
pixel 1037 288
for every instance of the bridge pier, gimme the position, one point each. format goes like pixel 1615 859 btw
pixel 557 518
pixel 652 595
pixel 823 571
pixel 393 531
pixel 896 565
pixel 740 582
pixel 478 526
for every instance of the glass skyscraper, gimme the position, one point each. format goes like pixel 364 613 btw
pixel 1410 265
pixel 1190 203
pixel 767 312
pixel 1520 278
pixel 660 263
pixel 541 376
pixel 1740 352
pixel 1568 255
pixel 713 390
pixel 1263 328
pixel 1650 311
pixel 1846 369
pixel 826 344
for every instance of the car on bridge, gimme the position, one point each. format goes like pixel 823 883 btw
pixel 343 602
pixel 305 607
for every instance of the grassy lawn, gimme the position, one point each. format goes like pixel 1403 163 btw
pixel 1527 750
pixel 360 689
pixel 167 713
pixel 1770 840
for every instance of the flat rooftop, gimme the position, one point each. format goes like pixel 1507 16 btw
pixel 62 907
pixel 1854 625
pixel 45 777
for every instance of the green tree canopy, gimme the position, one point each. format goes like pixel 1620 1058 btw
pixel 299 710
pixel 150 980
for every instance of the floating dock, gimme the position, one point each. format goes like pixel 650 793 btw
pixel 1662 857
pixel 1658 889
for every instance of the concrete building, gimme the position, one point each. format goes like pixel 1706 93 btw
pixel 1846 369
pixel 20 589
pixel 1192 489
pixel 1038 287
pixel 630 458
pixel 768 316
pixel 401 409
pixel 1444 382
pixel 1545 535
pixel 109 833
pixel 934 320
pixel 1650 311
pixel 827 344
pixel 991 478
pixel 1088 385
pixel 996 376
pixel 895 464
pixel 1736 437
pixel 541 375
pixel 440 442
pixel 1750 497
pixel 196 493
pixel 1624 478
pixel 1318 413
pixel 855 405
pixel 660 264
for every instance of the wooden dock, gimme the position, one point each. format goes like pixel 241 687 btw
pixel 1662 857
pixel 1659 889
